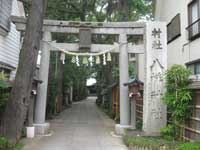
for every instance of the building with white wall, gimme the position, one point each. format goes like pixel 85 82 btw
pixel 183 27
pixel 9 36
pixel 183 19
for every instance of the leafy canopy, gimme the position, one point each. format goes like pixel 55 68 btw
pixel 99 10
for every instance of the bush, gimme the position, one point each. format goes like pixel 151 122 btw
pixel 4 91
pixel 155 142
pixel 139 124
pixel 169 132
pixel 5 144
pixel 189 146
pixel 24 132
pixel 178 97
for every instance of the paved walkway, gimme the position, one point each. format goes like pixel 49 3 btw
pixel 82 127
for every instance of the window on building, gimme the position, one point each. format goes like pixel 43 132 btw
pixel 5 12
pixel 194 67
pixel 194 19
pixel 174 28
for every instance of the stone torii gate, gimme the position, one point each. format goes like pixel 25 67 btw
pixel 154 48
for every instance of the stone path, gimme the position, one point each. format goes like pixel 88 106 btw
pixel 82 127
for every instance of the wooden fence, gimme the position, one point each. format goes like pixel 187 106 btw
pixel 191 129
pixel 136 91
pixel 115 101
pixel 192 126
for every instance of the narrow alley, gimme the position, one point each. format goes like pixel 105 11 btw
pixel 82 127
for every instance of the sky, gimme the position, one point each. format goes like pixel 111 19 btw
pixel 91 81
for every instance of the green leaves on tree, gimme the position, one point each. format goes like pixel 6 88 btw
pixel 178 98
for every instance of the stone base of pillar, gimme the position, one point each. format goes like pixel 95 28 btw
pixel 42 129
pixel 120 129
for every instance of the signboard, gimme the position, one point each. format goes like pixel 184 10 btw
pixel 85 39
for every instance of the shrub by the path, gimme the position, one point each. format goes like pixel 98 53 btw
pixel 5 144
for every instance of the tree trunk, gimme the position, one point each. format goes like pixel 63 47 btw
pixel 15 113
pixel 123 6
pixel 84 8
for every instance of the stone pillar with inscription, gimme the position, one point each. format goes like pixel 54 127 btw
pixel 154 110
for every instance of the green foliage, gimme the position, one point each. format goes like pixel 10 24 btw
pixel 19 147
pixel 24 132
pixel 134 10
pixel 157 142
pixel 189 146
pixel 131 69
pixel 153 142
pixel 5 144
pixel 115 72
pixel 3 78
pixel 139 124
pixel 77 78
pixel 178 95
pixel 3 84
pixel 178 98
pixel 72 76
pixel 4 92
pixel 101 10
pixel 169 132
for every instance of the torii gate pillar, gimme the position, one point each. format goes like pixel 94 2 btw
pixel 40 108
pixel 124 77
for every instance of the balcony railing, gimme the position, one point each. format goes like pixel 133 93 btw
pixel 194 30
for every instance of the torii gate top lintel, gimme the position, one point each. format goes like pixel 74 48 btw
pixel 107 28
pixel 129 28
